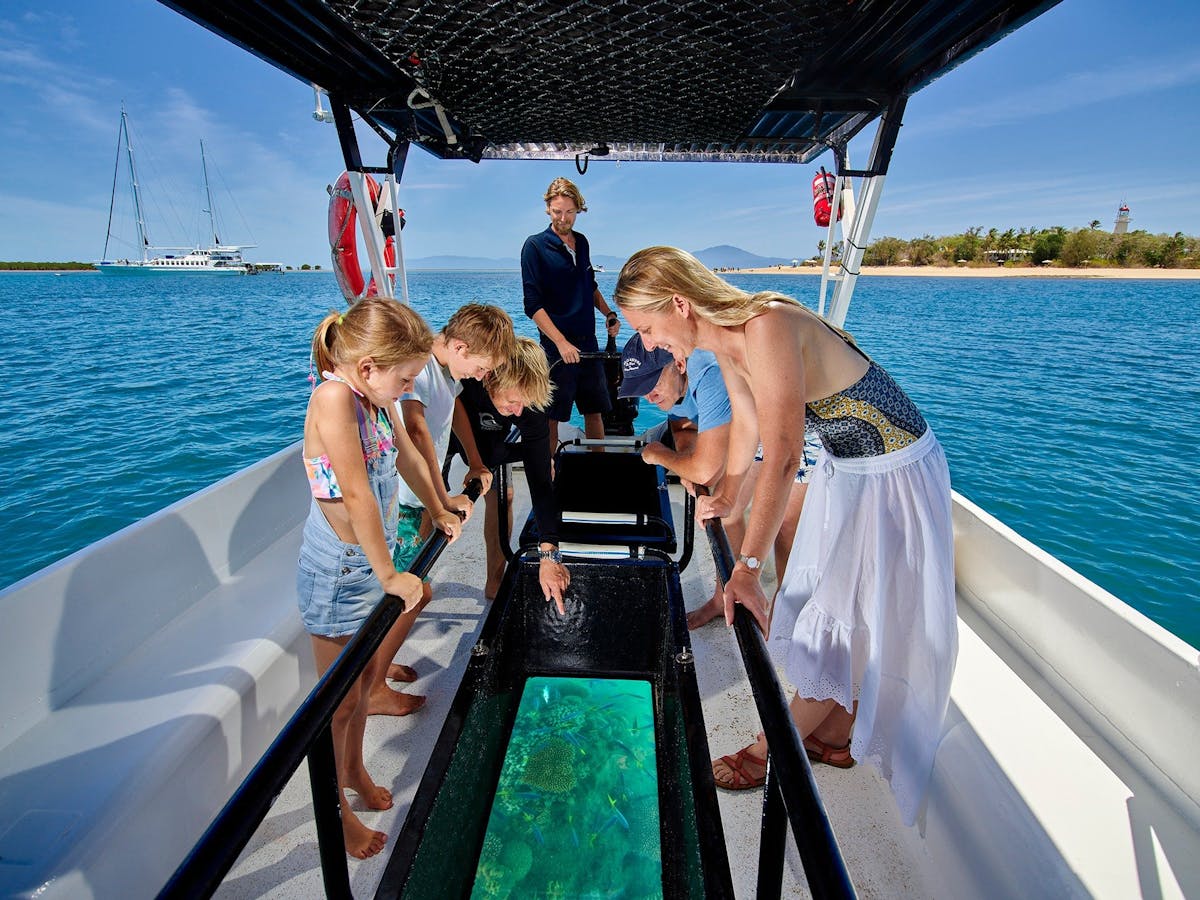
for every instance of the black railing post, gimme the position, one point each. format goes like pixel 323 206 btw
pixel 819 851
pixel 772 839
pixel 322 773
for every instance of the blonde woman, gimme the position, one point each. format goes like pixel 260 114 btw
pixel 865 616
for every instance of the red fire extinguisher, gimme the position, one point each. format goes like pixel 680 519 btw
pixel 822 187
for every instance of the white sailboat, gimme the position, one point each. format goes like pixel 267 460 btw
pixel 216 259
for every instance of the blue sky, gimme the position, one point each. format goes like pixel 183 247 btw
pixel 1093 103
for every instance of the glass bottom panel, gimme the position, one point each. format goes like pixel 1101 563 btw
pixel 575 814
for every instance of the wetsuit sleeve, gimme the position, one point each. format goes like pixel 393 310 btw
pixel 535 452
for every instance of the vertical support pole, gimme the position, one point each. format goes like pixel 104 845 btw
pixel 322 773
pixel 397 157
pixel 843 199
pixel 860 229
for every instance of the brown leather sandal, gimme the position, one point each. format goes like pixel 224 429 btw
pixel 742 780
pixel 819 751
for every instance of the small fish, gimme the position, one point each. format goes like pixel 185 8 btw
pixel 537 835
pixel 625 747
pixel 575 838
pixel 607 822
pixel 617 813
pixel 573 739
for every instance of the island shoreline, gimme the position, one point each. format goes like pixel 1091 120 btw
pixel 984 272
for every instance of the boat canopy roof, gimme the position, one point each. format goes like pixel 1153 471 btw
pixel 695 80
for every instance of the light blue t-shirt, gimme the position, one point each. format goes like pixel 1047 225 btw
pixel 706 402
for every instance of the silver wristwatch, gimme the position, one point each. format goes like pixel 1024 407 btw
pixel 753 563
pixel 554 555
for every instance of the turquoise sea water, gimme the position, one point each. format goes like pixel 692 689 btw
pixel 575 813
pixel 1068 408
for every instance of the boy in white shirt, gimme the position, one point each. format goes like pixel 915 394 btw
pixel 474 341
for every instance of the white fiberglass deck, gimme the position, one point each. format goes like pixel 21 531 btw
pixel 1065 769
pixel 1028 800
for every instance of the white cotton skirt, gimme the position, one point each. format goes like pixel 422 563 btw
pixel 866 610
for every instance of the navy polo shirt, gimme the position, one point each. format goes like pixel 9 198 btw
pixel 554 282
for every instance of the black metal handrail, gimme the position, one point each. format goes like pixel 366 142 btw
pixel 790 784
pixel 307 733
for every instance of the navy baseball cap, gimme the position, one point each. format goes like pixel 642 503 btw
pixel 640 368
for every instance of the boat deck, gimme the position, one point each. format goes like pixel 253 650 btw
pixel 884 859
pixel 1066 767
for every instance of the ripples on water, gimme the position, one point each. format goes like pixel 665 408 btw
pixel 1068 408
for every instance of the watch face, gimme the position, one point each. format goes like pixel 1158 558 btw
pixel 752 562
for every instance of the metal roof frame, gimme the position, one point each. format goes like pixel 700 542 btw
pixel 692 80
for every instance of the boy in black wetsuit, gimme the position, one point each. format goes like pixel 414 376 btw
pixel 515 393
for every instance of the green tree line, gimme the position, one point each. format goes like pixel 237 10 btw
pixel 1056 246
pixel 42 266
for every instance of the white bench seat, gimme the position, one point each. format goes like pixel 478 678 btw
pixel 138 759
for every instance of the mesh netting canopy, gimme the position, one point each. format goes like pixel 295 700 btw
pixel 753 80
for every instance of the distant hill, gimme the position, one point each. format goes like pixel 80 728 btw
pixel 728 257
pixel 610 263
pixel 723 256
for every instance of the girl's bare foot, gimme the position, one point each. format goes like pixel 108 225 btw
pixel 383 701
pixel 702 615
pixel 361 842
pixel 400 672
pixel 372 795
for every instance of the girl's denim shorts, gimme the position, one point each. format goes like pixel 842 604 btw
pixel 336 587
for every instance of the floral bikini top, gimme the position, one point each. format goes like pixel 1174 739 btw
pixel 376 434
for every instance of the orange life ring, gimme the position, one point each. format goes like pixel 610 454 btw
pixel 343 239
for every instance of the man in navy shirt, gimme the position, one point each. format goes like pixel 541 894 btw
pixel 561 297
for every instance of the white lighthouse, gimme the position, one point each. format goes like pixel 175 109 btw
pixel 1121 226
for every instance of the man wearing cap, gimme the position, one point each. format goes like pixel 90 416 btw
pixel 698 414
pixel 561 297
pixel 693 396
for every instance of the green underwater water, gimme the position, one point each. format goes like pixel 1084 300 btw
pixel 575 814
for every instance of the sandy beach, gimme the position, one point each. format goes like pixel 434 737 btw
pixel 987 272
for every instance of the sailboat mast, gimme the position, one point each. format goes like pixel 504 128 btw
pixel 212 220
pixel 143 238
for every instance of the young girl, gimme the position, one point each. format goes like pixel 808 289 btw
pixel 367 356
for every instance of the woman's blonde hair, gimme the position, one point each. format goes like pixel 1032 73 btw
pixel 385 330
pixel 486 330
pixel 526 371
pixel 563 187
pixel 652 277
